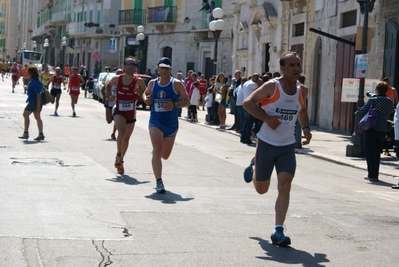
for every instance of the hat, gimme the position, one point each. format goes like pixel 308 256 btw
pixel 165 62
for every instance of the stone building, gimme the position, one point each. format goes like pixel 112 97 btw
pixel 264 29
pixel 256 33
pixel 179 30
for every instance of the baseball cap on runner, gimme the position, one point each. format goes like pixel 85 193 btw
pixel 165 62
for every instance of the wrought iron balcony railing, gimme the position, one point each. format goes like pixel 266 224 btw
pixel 132 17
pixel 162 14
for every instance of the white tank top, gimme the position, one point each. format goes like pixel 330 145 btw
pixel 281 104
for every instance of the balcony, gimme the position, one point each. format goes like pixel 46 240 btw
pixel 162 15
pixel 76 29
pixel 131 18
pixel 61 18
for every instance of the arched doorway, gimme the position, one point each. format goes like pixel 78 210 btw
pixel 167 52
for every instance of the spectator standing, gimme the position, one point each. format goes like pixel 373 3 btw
pixel 85 75
pixel 240 101
pixel 374 138
pixel 208 105
pixel 194 102
pixel 298 130
pixel 202 87
pixel 233 99
pixel 224 99
pixel 248 88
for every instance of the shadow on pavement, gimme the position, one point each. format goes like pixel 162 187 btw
pixel 126 179
pixel 290 255
pixel 168 197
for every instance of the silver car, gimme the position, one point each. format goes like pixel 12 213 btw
pixel 98 84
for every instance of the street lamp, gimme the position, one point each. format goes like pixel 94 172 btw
pixel 34 45
pixel 46 44
pixel 356 148
pixel 216 26
pixel 63 43
pixel 140 37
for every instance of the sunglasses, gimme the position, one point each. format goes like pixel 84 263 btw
pixel 128 63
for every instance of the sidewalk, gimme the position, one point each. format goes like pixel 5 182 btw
pixel 324 145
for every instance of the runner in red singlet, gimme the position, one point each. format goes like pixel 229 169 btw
pixel 56 81
pixel 75 82
pixel 128 88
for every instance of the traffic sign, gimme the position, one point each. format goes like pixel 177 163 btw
pixel 96 56
pixel 361 64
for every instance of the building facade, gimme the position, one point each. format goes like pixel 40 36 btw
pixel 325 33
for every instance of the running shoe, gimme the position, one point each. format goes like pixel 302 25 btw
pixel 120 169
pixel 249 171
pixel 278 237
pixel 118 161
pixel 55 113
pixel 74 114
pixel 160 188
pixel 113 137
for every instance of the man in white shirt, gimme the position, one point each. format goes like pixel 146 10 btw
pixel 239 102
pixel 247 89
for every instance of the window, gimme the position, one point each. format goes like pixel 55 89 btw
pixel 298 29
pixel 348 18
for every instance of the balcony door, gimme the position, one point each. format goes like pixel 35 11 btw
pixel 138 12
pixel 169 3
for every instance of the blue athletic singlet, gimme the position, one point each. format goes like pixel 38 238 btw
pixel 166 120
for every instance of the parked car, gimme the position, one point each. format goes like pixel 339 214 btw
pixel 98 84
pixel 51 69
pixel 104 77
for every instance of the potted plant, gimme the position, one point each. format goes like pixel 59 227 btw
pixel 112 25
pixel 30 30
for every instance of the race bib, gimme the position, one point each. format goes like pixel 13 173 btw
pixel 159 105
pixel 125 105
pixel 14 73
pixel 75 88
pixel 57 86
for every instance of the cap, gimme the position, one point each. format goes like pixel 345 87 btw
pixel 57 68
pixel 165 62
pixel 256 74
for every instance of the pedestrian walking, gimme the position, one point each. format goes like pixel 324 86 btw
pixel 282 101
pixel 34 105
pixel 129 87
pixel 165 95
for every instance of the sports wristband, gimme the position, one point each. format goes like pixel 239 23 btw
pixel 175 104
pixel 306 127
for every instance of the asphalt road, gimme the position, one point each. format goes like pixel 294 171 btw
pixel 63 204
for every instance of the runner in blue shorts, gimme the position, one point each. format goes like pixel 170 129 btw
pixel 165 95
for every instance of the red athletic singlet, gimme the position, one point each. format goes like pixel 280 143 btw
pixel 57 81
pixel 126 99
pixel 74 85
